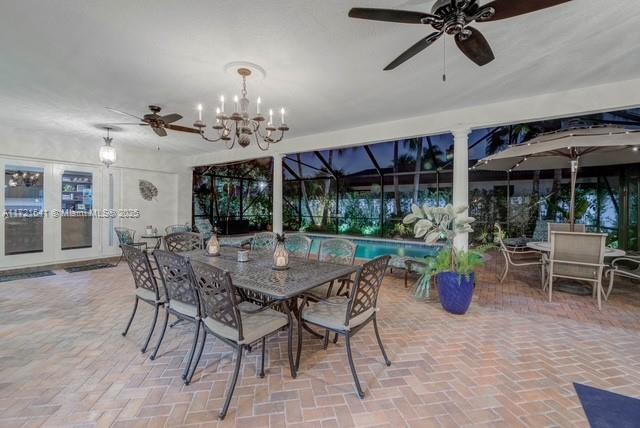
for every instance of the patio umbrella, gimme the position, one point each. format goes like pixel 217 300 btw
pixel 572 147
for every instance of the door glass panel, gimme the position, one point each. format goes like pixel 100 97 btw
pixel 24 205
pixel 77 203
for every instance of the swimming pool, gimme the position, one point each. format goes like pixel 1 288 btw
pixel 372 248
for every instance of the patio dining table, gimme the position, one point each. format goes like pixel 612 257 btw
pixel 258 276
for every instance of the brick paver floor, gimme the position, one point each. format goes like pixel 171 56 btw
pixel 509 362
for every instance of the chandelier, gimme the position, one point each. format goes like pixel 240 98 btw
pixel 239 126
pixel 23 178
pixel 107 152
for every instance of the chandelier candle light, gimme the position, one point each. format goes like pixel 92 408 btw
pixel 239 126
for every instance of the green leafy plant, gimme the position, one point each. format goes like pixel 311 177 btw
pixel 444 223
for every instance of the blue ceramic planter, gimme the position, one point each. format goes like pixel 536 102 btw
pixel 455 291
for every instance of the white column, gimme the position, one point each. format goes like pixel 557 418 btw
pixel 277 193
pixel 461 178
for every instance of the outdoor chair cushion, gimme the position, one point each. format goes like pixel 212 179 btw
pixel 322 290
pixel 254 326
pixel 333 314
pixel 146 294
pixel 184 308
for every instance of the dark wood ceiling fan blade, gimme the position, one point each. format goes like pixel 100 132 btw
pixel 128 123
pixel 388 15
pixel 421 45
pixel 183 129
pixel 510 8
pixel 475 47
pixel 170 118
pixel 123 113
pixel 160 131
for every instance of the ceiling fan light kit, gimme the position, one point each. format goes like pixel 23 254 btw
pixel 453 17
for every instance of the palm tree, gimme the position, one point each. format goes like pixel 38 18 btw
pixel 416 144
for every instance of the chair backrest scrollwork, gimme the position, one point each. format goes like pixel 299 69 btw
pixel 180 242
pixel 298 245
pixel 263 241
pixel 175 273
pixel 138 262
pixel 338 251
pixel 364 293
pixel 125 235
pixel 218 296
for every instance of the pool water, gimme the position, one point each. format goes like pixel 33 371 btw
pixel 370 249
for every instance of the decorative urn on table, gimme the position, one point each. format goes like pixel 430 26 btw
pixel 280 254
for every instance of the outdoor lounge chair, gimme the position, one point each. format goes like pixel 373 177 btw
pixel 577 256
pixel 517 257
pixel 628 267
pixel 348 315
pixel 146 286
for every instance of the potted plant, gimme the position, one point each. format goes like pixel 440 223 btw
pixel 453 269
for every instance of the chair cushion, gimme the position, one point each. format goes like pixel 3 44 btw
pixel 146 294
pixel 254 326
pixel 332 315
pixel 184 308
pixel 322 290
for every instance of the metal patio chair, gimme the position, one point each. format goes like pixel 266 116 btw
pixel 127 236
pixel 339 251
pixel 628 267
pixel 232 321
pixel 577 256
pixel 517 257
pixel 263 241
pixel 180 242
pixel 298 245
pixel 181 298
pixel 146 287
pixel 564 227
pixel 175 228
pixel 348 315
pixel 203 226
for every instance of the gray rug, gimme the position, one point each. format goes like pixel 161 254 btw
pixel 83 268
pixel 25 275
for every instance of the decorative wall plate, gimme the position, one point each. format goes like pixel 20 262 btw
pixel 148 190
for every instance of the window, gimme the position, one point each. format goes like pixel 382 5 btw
pixel 24 205
pixel 77 203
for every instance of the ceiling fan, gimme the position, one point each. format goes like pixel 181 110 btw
pixel 159 124
pixel 453 17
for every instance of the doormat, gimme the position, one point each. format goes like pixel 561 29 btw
pixel 606 409
pixel 25 275
pixel 83 268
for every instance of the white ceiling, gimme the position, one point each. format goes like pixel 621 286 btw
pixel 63 61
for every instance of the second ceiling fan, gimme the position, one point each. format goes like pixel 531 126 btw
pixel 453 17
